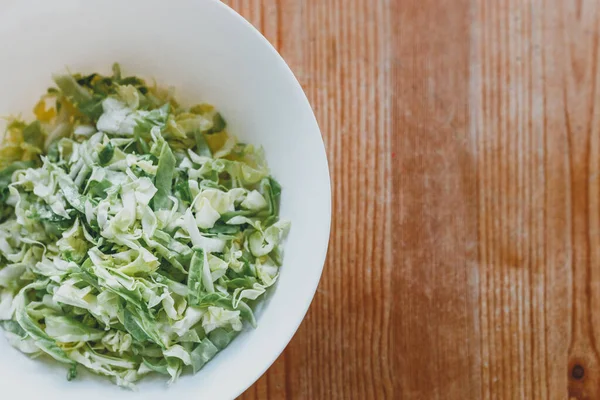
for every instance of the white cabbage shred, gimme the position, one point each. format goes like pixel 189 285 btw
pixel 135 235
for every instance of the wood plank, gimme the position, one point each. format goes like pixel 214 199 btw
pixel 435 202
pixel 576 60
pixel 507 108
pixel 533 94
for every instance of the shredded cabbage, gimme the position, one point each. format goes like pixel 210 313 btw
pixel 135 235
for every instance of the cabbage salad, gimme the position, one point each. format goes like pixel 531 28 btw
pixel 136 235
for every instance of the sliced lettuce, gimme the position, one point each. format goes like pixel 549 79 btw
pixel 164 177
pixel 135 234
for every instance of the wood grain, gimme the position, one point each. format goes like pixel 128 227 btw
pixel 463 139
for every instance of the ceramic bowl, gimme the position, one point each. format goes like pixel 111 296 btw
pixel 208 53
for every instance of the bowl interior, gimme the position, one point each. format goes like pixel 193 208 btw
pixel 210 54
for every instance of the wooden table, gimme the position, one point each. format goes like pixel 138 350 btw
pixel 464 143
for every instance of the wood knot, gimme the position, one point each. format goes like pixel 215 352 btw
pixel 577 372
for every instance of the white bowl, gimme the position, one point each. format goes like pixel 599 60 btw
pixel 208 53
